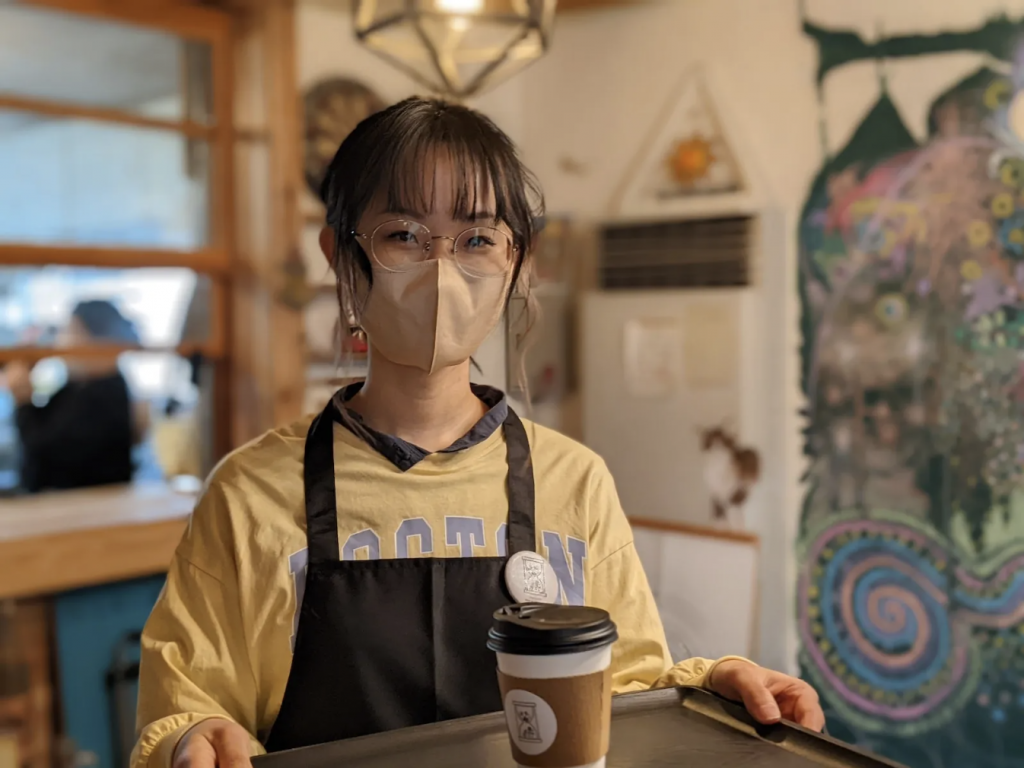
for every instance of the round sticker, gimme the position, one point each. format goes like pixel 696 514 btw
pixel 531 579
pixel 532 725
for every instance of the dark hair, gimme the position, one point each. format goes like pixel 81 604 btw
pixel 104 322
pixel 387 154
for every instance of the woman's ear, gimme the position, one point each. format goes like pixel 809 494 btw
pixel 328 245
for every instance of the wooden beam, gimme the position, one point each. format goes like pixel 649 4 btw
pixel 33 620
pixel 288 353
pixel 66 111
pixel 207 261
pixel 223 219
pixel 214 350
pixel 252 135
pixel 565 6
pixel 197 22
pixel 251 395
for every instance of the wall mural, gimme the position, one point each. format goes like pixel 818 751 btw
pixel 911 584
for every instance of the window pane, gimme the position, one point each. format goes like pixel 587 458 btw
pixel 57 56
pixel 164 307
pixel 84 182
pixel 170 407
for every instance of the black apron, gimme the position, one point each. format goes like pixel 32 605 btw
pixel 385 644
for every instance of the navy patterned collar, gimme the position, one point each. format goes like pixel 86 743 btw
pixel 404 455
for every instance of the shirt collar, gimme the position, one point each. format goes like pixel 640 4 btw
pixel 404 455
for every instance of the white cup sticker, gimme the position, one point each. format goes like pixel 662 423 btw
pixel 531 579
pixel 531 722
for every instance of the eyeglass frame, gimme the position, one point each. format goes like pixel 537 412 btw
pixel 513 248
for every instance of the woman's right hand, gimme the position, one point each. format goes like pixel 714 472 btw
pixel 18 378
pixel 214 743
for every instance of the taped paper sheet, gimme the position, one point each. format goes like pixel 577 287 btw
pixel 653 357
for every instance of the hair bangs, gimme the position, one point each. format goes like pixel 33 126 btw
pixel 409 176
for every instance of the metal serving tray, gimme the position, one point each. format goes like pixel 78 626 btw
pixel 682 727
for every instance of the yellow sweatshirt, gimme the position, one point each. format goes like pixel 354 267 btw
pixel 219 641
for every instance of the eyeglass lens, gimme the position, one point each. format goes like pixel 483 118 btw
pixel 480 250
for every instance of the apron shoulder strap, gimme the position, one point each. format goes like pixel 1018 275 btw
pixel 318 481
pixel 522 534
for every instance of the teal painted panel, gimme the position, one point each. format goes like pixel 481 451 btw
pixel 90 624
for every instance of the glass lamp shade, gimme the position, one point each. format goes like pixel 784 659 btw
pixel 457 48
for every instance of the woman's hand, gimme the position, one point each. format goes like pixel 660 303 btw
pixel 19 381
pixel 768 696
pixel 215 743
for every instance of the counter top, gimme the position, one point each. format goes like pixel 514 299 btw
pixel 54 542
pixel 653 729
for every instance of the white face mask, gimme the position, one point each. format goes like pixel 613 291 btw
pixel 432 315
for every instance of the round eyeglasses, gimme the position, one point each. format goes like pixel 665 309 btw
pixel 399 244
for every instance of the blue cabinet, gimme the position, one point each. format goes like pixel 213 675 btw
pixel 90 626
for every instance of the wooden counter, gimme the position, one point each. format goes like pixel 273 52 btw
pixel 55 542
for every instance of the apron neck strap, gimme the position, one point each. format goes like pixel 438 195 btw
pixel 321 496
pixel 522 535
pixel 318 480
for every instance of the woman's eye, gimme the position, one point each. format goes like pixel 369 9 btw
pixel 479 241
pixel 402 236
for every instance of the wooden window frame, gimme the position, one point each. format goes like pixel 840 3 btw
pixel 213 27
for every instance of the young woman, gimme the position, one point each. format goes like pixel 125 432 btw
pixel 84 434
pixel 339 575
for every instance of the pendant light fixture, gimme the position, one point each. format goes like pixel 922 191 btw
pixel 457 48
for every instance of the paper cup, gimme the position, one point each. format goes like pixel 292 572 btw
pixel 554 672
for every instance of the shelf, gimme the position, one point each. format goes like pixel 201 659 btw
pixel 567 6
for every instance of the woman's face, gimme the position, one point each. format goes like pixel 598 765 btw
pixel 74 334
pixel 441 276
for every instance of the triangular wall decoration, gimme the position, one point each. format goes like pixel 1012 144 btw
pixel 687 159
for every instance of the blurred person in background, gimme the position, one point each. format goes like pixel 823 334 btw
pixel 84 434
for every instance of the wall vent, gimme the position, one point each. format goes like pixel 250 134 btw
pixel 692 253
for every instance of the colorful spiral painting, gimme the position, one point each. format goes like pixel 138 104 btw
pixel 904 640
pixel 910 595
pixel 878 627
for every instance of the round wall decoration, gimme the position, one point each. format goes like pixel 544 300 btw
pixel 333 108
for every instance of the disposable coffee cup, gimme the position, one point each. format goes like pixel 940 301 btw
pixel 554 672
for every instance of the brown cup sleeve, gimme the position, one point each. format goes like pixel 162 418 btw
pixel 582 708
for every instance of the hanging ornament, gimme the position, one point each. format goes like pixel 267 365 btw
pixel 456 48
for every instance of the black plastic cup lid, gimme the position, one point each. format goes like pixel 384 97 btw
pixel 536 629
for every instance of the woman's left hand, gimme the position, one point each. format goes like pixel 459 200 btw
pixel 768 696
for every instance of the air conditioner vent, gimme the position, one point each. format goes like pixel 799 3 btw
pixel 695 253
